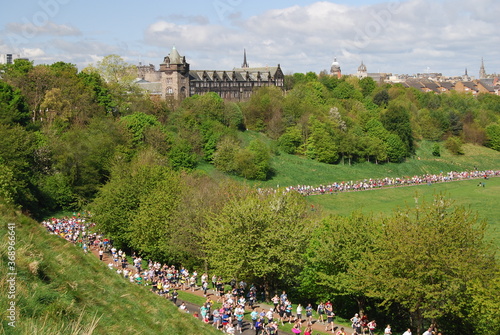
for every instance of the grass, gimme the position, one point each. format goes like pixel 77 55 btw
pixel 60 290
pixel 465 193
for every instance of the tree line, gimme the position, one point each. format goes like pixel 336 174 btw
pixel 92 139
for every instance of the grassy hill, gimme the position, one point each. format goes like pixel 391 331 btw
pixel 60 290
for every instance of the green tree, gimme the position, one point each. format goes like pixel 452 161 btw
pixel 367 85
pixel 493 136
pixel 270 230
pixel 396 150
pixel 13 108
pixel 424 258
pixel 396 120
pixel 152 229
pixel 137 123
pixel 336 244
pixel 181 156
pixel 454 145
pixel 436 150
pixel 290 140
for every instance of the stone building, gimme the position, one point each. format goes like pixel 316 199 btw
pixel 175 79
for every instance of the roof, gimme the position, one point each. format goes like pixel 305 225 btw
pixel 237 74
pixel 174 56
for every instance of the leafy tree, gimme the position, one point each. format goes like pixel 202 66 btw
pixel 152 229
pixel 264 104
pixel 367 85
pixel 334 246
pixel 436 150
pixel 137 123
pixel 454 145
pixel 396 120
pixel 493 136
pixel 118 201
pixel 224 157
pixel 290 140
pixel 270 230
pixel 396 150
pixel 381 98
pixel 424 259
pixel 344 90
pixel 13 108
pixel 181 156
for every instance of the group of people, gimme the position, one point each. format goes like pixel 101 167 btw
pixel 166 280
pixel 368 184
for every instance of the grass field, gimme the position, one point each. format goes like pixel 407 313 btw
pixel 483 200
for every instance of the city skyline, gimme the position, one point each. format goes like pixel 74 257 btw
pixel 403 37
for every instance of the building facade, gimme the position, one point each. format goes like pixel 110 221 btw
pixel 175 80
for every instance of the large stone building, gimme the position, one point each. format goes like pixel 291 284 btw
pixel 175 80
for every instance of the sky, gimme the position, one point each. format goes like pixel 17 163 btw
pixel 399 37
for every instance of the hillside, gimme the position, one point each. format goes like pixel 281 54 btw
pixel 60 290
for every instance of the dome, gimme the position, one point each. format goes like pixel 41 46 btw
pixel 362 67
pixel 335 68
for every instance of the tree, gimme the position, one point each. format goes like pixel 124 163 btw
pixel 493 136
pixel 290 140
pixel 335 245
pixel 367 85
pixel 436 150
pixel 381 98
pixel 396 120
pixel 270 231
pixel 13 108
pixel 454 145
pixel 424 259
pixel 396 150
pixel 152 228
pixel 137 123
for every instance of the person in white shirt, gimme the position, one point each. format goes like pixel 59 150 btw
pixel 387 330
pixel 428 332
pixel 408 332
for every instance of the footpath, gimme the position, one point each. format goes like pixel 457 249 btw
pixel 318 328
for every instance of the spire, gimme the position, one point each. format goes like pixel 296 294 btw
pixel 482 71
pixel 245 64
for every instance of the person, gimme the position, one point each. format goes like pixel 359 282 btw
pixel 230 329
pixel 175 294
pixel 269 315
pixel 407 332
pixel 101 254
pixel 299 312
pixel 321 312
pixel 329 318
pixel 309 313
pixel 341 331
pixel 428 331
pixel 258 326
pixel 308 330
pixel 276 301
pixel 216 318
pixel 371 327
pixel 183 307
pixel 296 328
pixel 239 314
pixel 254 315
pixel 354 320
pixel 387 330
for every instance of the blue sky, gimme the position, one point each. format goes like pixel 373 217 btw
pixel 407 36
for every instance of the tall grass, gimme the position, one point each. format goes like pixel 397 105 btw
pixel 61 290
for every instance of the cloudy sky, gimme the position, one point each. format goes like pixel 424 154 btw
pixel 408 36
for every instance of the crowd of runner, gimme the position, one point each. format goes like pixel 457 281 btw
pixel 369 184
pixel 166 280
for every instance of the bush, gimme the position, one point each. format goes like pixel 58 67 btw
pixel 436 150
pixel 454 145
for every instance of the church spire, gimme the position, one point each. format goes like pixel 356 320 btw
pixel 482 71
pixel 245 64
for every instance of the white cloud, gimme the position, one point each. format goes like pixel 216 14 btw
pixel 29 29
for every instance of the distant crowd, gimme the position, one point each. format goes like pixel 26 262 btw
pixel 370 184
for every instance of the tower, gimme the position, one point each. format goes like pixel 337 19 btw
pixel 174 76
pixel 245 64
pixel 482 71
pixel 362 72
pixel 335 69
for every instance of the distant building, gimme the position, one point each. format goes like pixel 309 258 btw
pixel 176 80
pixel 335 69
pixel 9 58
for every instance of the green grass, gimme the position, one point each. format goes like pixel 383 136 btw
pixel 60 290
pixel 463 193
